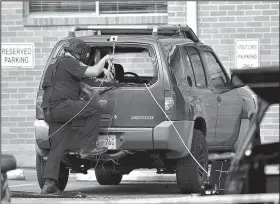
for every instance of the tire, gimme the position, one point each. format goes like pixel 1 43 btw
pixel 63 174
pixel 5 190
pixel 106 177
pixel 189 176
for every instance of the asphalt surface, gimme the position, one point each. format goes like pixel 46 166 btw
pixel 126 192
pixel 92 190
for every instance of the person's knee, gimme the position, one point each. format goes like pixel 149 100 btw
pixel 94 111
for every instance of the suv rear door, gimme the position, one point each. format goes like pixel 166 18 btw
pixel 131 105
pixel 204 98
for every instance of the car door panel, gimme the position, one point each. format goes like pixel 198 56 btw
pixel 229 104
pixel 229 118
pixel 204 99
pixel 181 87
pixel 206 102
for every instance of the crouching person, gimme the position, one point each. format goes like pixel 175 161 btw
pixel 61 103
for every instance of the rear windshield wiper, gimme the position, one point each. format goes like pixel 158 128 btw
pixel 115 86
pixel 118 85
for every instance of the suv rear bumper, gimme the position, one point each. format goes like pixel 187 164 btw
pixel 162 137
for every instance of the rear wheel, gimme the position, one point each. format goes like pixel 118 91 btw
pixel 63 173
pixel 107 177
pixel 189 175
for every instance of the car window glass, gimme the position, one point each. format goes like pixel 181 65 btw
pixel 197 67
pixel 176 65
pixel 188 63
pixel 214 68
pixel 61 51
pixel 139 62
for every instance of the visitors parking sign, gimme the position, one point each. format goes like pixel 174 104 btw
pixel 18 55
pixel 247 53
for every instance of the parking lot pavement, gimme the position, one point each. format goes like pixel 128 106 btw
pixel 93 191
pixel 30 184
pixel 126 192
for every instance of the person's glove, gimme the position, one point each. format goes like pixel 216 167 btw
pixel 108 73
pixel 108 58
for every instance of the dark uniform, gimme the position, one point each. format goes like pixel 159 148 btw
pixel 64 104
pixel 60 104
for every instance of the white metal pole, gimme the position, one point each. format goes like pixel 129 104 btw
pixel 192 15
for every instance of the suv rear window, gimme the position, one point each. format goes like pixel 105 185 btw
pixel 138 59
pixel 139 62
pixel 131 58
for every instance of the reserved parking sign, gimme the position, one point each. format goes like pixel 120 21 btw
pixel 18 55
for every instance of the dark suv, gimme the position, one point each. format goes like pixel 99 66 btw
pixel 173 88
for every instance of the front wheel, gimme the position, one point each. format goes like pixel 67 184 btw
pixel 189 175
pixel 63 174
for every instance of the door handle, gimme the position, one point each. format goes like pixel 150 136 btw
pixel 219 99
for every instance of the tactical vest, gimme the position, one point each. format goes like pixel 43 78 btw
pixel 48 85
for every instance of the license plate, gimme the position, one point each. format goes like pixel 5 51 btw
pixel 108 141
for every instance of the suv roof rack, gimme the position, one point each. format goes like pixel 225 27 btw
pixel 164 30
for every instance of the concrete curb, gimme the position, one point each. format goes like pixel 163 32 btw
pixel 17 174
pixel 136 175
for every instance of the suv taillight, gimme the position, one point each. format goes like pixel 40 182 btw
pixel 168 103
pixel 39 110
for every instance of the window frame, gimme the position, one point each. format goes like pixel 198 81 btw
pixel 179 82
pixel 124 14
pixel 202 63
pixel 227 84
pixel 26 12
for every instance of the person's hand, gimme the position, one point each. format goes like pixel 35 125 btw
pixel 108 58
pixel 105 71
pixel 108 74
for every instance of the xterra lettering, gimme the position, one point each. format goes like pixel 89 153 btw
pixel 142 117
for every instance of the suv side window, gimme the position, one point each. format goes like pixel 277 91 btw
pixel 176 65
pixel 195 60
pixel 215 69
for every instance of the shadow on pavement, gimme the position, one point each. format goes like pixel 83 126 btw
pixel 131 188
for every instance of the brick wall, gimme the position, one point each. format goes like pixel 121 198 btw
pixel 221 22
pixel 177 12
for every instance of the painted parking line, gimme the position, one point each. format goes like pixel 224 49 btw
pixel 11 186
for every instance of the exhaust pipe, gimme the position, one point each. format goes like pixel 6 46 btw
pixel 114 156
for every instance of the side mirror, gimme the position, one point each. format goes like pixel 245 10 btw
pixel 218 83
pixel 236 82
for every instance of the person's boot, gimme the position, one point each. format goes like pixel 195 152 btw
pixel 50 187
pixel 84 154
